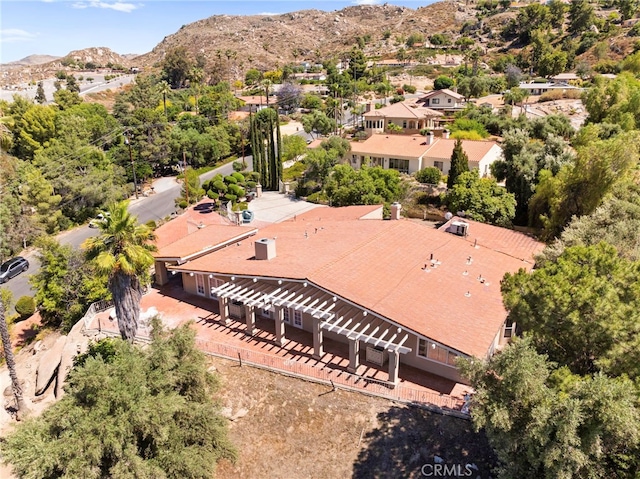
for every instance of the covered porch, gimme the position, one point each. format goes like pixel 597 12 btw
pixel 288 301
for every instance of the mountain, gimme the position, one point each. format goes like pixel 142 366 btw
pixel 263 41
pixel 32 60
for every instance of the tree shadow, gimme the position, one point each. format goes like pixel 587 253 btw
pixel 412 442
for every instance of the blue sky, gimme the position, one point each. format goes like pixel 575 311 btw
pixel 56 27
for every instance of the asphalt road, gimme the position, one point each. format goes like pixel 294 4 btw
pixel 153 207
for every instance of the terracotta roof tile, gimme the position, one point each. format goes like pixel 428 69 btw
pixel 411 146
pixel 475 149
pixel 404 110
pixel 379 265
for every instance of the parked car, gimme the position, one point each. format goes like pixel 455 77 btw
pixel 100 218
pixel 12 268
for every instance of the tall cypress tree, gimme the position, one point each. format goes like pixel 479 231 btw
pixel 459 163
pixel 40 96
pixel 266 146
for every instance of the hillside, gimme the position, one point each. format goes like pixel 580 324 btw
pixel 264 41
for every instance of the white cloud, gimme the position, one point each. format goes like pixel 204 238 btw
pixel 15 35
pixel 366 2
pixel 118 6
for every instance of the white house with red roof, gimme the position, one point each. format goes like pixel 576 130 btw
pixel 396 292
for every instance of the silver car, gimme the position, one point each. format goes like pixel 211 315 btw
pixel 12 268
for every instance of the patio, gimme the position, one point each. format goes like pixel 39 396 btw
pixel 295 358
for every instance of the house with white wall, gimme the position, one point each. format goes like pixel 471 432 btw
pixel 443 100
pixel 408 116
pixel 411 153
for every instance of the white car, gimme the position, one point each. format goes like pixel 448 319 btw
pixel 100 218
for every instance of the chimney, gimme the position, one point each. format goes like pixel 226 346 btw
pixel 445 134
pixel 429 138
pixel 395 210
pixel 265 249
pixel 367 108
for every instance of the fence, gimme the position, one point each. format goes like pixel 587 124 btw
pixel 335 377
pixel 323 374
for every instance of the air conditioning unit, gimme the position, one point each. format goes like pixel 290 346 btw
pixel 460 228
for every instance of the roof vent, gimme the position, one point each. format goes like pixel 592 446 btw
pixel 265 249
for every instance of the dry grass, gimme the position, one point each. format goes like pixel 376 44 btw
pixel 296 429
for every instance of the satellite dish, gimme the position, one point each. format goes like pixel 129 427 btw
pixel 448 215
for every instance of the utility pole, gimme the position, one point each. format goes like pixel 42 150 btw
pixel 133 165
pixel 186 180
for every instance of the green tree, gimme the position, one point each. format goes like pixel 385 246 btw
pixel 65 284
pixel 581 15
pixel 429 175
pixel 365 186
pixel 266 146
pixel 123 252
pixel 176 66
pixel 65 99
pixel 545 423
pixel 557 11
pixel 582 309
pixel 481 199
pixel 442 82
pixel 72 84
pixel 129 412
pixel 318 122
pixel 552 63
pixel 293 146
pixel 459 163
pixel 40 96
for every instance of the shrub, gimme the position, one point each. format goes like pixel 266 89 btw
pixel 237 166
pixel 151 224
pixel 183 204
pixel 251 184
pixel 231 197
pixel 551 95
pixel 430 175
pixel 238 176
pixel 409 88
pixel 230 179
pixel 213 195
pixel 466 135
pixel 25 307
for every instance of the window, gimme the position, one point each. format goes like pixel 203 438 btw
pixel 435 352
pixel 297 319
pixel 404 124
pixel 214 283
pixel 439 165
pixel 435 101
pixel 285 315
pixel 266 312
pixel 448 100
pixel 200 284
pixel 397 164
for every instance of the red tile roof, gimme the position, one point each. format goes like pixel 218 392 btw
pixel 415 146
pixel 404 110
pixel 443 90
pixel 195 231
pixel 379 265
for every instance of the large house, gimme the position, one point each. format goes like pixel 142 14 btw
pixel 396 292
pixel 411 153
pixel 409 117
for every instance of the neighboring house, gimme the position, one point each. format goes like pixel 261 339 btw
pixel 409 154
pixel 254 103
pixel 565 78
pixel 540 88
pixel 394 292
pixel 407 115
pixel 443 100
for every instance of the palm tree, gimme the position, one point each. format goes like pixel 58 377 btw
pixel 21 407
pixel 165 89
pixel 123 252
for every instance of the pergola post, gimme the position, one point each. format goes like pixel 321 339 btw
pixel 317 339
pixel 281 340
pixel 394 363
pixel 162 276
pixel 224 310
pixel 250 317
pixel 354 355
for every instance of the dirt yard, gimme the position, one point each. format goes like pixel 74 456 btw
pixel 293 429
pixel 287 428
